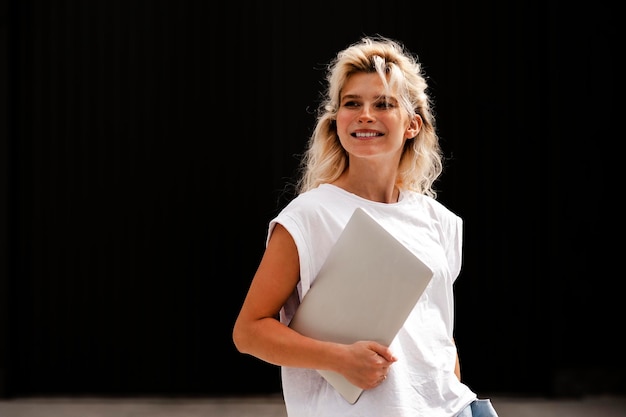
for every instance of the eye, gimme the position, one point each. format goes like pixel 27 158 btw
pixel 385 104
pixel 350 103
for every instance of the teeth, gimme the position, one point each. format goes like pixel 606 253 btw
pixel 366 135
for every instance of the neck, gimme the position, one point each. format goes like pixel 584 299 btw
pixel 375 190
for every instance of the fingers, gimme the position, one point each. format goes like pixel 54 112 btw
pixel 384 352
pixel 372 363
pixel 380 380
pixel 387 358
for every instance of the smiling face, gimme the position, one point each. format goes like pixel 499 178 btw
pixel 370 120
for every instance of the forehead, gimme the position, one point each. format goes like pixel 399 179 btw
pixel 364 84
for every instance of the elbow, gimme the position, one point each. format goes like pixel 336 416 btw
pixel 239 339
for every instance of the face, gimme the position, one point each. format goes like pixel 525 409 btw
pixel 371 123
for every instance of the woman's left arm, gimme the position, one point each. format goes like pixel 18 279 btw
pixel 457 365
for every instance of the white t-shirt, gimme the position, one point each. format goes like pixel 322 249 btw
pixel 422 382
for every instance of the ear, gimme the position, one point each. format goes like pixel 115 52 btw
pixel 415 125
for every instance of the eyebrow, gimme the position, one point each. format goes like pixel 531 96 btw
pixel 381 97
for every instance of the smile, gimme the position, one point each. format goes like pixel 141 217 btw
pixel 366 134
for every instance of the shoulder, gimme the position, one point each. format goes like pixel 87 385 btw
pixel 434 207
pixel 320 210
pixel 316 202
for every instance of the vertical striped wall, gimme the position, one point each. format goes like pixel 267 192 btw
pixel 150 142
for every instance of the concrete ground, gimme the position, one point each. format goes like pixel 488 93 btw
pixel 272 406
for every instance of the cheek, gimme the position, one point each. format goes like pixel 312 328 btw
pixel 343 120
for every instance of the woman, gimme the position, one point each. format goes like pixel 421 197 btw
pixel 374 146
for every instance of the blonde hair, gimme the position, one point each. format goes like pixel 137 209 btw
pixel 325 159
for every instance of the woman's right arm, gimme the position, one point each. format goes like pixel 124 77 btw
pixel 259 333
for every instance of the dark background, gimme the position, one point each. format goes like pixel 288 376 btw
pixel 150 142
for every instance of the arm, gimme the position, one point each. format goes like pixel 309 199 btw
pixel 257 331
pixel 457 364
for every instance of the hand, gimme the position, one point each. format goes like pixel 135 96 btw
pixel 367 364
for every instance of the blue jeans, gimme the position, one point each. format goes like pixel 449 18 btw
pixel 479 408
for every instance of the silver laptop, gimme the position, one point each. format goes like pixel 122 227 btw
pixel 365 290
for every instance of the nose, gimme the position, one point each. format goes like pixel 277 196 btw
pixel 366 115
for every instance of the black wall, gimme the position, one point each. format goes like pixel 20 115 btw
pixel 150 142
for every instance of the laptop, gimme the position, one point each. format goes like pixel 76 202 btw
pixel 365 290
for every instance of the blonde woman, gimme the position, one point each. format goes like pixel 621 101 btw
pixel 374 146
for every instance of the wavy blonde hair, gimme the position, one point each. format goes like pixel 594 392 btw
pixel 421 162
